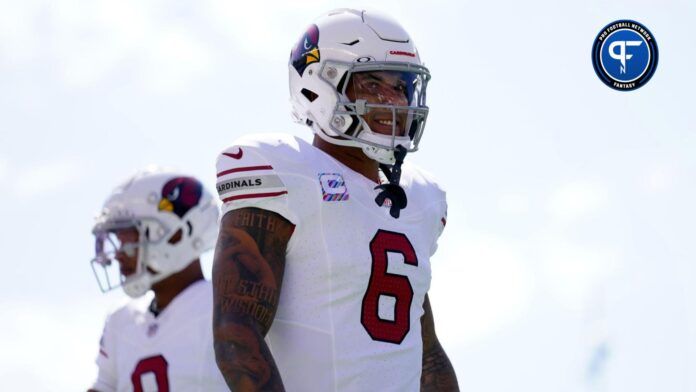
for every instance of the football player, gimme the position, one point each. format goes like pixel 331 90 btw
pixel 322 267
pixel 149 236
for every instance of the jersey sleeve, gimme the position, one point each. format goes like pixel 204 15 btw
pixel 106 362
pixel 246 177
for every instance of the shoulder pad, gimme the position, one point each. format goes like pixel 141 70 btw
pixel 248 174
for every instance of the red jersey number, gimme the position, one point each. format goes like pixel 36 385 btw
pixel 157 365
pixel 383 283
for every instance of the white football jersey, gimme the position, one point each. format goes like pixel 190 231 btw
pixel 348 317
pixel 170 352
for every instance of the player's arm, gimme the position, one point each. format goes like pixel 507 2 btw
pixel 247 275
pixel 438 373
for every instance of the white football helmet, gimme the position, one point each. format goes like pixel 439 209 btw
pixel 176 220
pixel 338 45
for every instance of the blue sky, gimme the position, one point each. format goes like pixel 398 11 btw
pixel 567 263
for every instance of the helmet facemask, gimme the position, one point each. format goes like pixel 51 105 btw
pixel 165 221
pixel 389 97
pixel 139 278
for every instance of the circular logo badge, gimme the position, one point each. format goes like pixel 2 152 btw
pixel 624 55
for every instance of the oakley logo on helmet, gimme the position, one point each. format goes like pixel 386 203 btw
pixel 179 195
pixel 306 51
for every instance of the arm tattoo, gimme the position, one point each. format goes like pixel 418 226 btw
pixel 247 275
pixel 438 373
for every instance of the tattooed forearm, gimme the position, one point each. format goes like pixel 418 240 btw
pixel 251 298
pixel 260 313
pixel 244 359
pixel 438 373
pixel 247 273
pixel 246 288
pixel 252 218
pixel 258 291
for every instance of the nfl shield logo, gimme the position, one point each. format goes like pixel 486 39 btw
pixel 151 330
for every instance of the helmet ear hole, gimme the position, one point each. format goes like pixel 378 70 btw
pixel 309 94
pixel 174 239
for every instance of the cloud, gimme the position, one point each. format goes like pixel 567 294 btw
pixel 252 28
pixel 513 204
pixel 175 60
pixel 46 177
pixel 4 167
pixel 255 30
pixel 483 283
pixel 249 26
pixel 67 346
pixel 479 285
pixel 574 272
pixel 659 179
pixel 19 25
pixel 91 39
pixel 577 199
pixel 88 41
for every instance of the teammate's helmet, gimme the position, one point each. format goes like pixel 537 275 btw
pixel 176 220
pixel 339 45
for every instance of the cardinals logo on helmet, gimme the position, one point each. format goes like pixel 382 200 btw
pixel 306 51
pixel 180 194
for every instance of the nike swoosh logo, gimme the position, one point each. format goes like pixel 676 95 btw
pixel 236 155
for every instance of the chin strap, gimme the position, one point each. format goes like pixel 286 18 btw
pixel 392 190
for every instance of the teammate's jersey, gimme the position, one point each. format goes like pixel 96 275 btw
pixel 170 352
pixel 355 278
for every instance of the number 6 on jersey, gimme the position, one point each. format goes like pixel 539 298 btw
pixel 383 283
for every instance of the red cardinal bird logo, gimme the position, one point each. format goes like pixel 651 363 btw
pixel 180 194
pixel 306 51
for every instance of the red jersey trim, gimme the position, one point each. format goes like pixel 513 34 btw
pixel 243 169
pixel 254 195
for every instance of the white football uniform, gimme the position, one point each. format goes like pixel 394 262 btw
pixel 170 352
pixel 348 317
